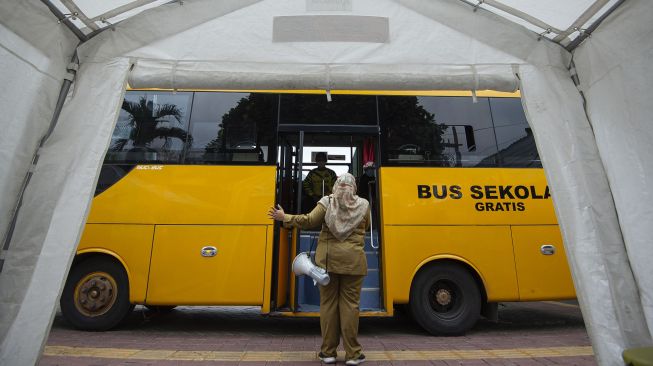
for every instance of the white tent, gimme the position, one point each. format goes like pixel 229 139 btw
pixel 586 98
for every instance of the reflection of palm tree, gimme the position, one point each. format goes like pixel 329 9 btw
pixel 145 121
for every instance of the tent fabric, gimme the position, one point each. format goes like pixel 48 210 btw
pixel 35 25
pixel 446 55
pixel 559 20
pixel 32 75
pixel 156 24
pixel 239 75
pixel 586 214
pixel 594 162
pixel 55 208
pixel 616 80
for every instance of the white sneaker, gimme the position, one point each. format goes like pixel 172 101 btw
pixel 326 359
pixel 356 361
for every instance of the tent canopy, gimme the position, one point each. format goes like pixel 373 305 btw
pixel 562 21
pixel 587 100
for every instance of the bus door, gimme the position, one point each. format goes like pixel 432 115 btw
pixel 346 152
pixel 287 190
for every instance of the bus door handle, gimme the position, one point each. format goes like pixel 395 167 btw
pixel 547 249
pixel 209 251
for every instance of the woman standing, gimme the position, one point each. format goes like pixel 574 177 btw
pixel 340 250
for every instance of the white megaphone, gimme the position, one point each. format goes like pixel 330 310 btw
pixel 302 265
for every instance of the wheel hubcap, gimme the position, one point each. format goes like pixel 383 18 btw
pixel 95 294
pixel 444 297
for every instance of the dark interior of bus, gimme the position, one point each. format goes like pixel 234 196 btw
pixel 345 153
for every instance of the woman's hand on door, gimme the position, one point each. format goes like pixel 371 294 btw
pixel 276 213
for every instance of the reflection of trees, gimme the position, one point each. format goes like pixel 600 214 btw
pixel 245 126
pixel 146 121
pixel 411 129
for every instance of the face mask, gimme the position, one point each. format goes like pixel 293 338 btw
pixel 369 173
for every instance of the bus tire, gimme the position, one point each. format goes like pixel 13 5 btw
pixel 96 294
pixel 445 299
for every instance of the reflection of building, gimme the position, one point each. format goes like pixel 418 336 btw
pixel 522 153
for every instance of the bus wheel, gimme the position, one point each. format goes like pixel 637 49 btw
pixel 96 294
pixel 445 299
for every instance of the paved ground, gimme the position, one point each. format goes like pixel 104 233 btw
pixel 543 333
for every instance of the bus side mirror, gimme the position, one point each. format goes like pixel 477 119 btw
pixel 469 136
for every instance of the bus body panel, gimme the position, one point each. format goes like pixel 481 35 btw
pixel 478 196
pixel 188 194
pixel 130 244
pixel 541 277
pixel 494 219
pixel 406 247
pixel 185 272
pixel 238 196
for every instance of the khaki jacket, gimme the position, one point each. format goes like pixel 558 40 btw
pixel 342 257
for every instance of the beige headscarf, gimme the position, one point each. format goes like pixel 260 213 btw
pixel 344 209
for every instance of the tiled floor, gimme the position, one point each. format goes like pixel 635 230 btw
pixel 543 333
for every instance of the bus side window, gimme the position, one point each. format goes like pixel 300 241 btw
pixel 514 136
pixel 232 128
pixel 456 132
pixel 152 128
pixel 411 134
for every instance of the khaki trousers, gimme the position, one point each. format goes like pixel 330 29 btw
pixel 339 314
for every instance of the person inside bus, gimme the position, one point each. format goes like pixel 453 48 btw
pixel 344 217
pixel 319 181
pixel 367 182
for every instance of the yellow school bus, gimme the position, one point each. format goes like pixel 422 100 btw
pixel 462 216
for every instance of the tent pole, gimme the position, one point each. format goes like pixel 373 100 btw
pixel 588 32
pixel 65 87
pixel 62 18
pixel 514 12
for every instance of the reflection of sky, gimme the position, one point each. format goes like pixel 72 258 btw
pixel 509 120
pixel 203 133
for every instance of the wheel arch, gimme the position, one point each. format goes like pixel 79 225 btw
pixel 88 253
pixel 448 258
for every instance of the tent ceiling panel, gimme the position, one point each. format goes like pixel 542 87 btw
pixel 553 19
pixel 247 26
pixel 449 47
pixel 550 11
pixel 559 20
pixel 117 15
pixel 94 8
pixel 440 56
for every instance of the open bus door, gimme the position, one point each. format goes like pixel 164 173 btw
pixel 297 148
pixel 285 238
